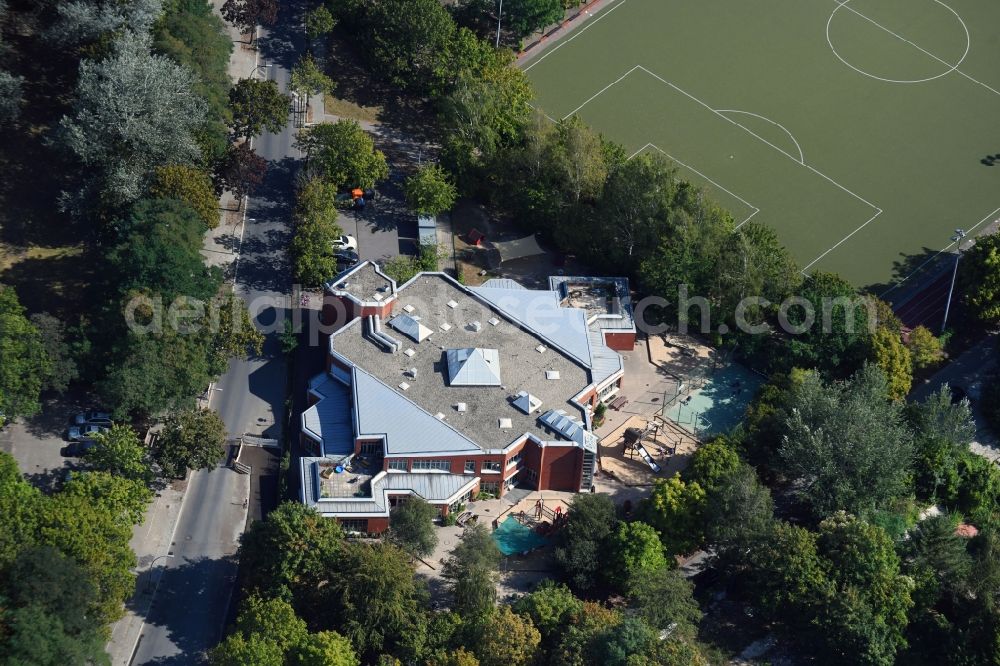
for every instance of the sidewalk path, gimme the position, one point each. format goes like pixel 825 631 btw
pixel 151 543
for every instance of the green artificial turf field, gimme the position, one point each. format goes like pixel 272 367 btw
pixel 858 130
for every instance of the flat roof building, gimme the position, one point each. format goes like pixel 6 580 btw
pixel 445 391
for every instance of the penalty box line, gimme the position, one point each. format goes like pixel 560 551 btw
pixel 688 166
pixel 877 210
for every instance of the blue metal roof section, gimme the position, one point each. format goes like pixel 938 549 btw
pixel 385 412
pixel 329 420
pixel 570 428
pixel 502 283
pixel 540 313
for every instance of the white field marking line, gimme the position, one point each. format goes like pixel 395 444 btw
pixel 802 158
pixel 841 241
pixel 952 68
pixel 940 252
pixel 582 30
pixel 878 210
pixel 760 138
pixel 600 92
pixel 688 166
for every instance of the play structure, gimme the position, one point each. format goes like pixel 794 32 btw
pixel 633 443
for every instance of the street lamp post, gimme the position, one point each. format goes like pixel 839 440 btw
pixel 959 235
pixel 499 15
pixel 149 581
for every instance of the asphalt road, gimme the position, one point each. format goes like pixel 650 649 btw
pixel 195 591
pixel 192 598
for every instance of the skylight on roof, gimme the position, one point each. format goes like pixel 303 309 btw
pixel 494 321
pixel 439 416
pixel 410 327
pixel 505 424
pixel 409 352
pixel 452 304
pixel 526 402
pixel 540 349
pixel 473 367
pixel 403 386
pixel 446 326
pixel 461 407
pixel 552 374
pixel 408 308
pixel 377 296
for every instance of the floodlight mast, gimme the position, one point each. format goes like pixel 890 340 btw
pixel 958 237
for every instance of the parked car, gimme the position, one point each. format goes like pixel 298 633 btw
pixel 346 259
pixel 93 416
pixel 77 433
pixel 345 243
pixel 77 449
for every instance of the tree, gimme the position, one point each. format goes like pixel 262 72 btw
pixel 190 185
pixel 578 641
pixel 712 464
pixel 123 498
pixel 193 34
pixel 233 333
pixel 585 539
pixel 119 452
pixel 754 263
pixel 864 621
pixel 408 42
pixel 161 253
pixel 24 363
pixel 507 639
pixel 289 552
pixel 580 159
pixel 192 439
pixel 524 17
pixel 739 510
pixel 665 600
pixel 319 21
pixel 315 231
pixel 943 432
pixel 485 111
pixel 893 358
pixel 241 172
pixel 457 658
pixel 637 553
pixel 430 191
pixel 156 372
pixel 134 111
pixel 925 349
pixel 344 154
pixel 59 349
pixel 412 528
pixel 675 509
pixel 838 340
pixel 257 106
pixel 272 618
pixel 266 630
pixel 402 268
pixel 308 78
pixel 844 444
pixel 471 572
pixel 247 14
pixel 11 97
pixel 980 278
pixel 373 594
pixel 551 607
pixel 326 648
pixel 42 576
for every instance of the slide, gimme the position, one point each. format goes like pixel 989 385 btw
pixel 644 454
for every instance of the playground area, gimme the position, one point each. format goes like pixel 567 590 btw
pixel 706 394
pixel 643 449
